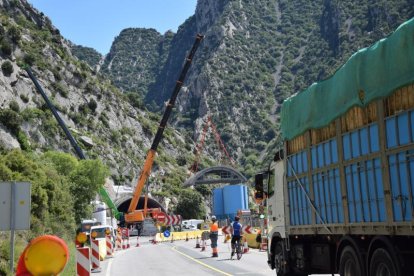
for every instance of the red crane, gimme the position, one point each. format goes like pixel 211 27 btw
pixel 209 124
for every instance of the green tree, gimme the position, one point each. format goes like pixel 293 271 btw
pixel 11 119
pixel 7 68
pixel 87 178
pixel 190 205
pixel 203 189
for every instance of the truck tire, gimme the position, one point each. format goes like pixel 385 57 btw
pixel 382 264
pixel 350 264
pixel 278 253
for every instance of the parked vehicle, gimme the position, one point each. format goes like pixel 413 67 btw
pixel 191 223
pixel 339 194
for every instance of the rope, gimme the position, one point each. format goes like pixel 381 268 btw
pixel 308 198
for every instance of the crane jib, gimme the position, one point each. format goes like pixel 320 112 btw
pixel 158 136
pixel 171 102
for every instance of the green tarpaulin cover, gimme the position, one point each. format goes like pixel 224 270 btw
pixel 371 73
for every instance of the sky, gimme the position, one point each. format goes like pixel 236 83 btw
pixel 96 23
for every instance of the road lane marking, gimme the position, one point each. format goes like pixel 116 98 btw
pixel 108 268
pixel 199 262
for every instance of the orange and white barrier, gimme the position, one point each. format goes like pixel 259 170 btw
pixel 96 262
pixel 263 244
pixel 83 261
pixel 109 247
pixel 118 242
pixel 203 244
pixel 125 238
pixel 197 243
pixel 137 241
pixel 245 246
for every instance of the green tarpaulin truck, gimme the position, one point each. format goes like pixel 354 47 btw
pixel 340 193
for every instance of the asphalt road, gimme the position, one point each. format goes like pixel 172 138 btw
pixel 182 258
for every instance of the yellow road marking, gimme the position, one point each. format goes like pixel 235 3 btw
pixel 199 262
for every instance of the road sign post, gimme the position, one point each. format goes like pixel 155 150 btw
pixel 14 210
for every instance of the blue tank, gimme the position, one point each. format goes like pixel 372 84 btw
pixel 235 198
pixel 218 205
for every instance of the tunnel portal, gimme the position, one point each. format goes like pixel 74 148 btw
pixel 123 204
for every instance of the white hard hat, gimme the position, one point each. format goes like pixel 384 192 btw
pixel 213 218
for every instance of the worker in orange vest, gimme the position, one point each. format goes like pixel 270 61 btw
pixel 214 236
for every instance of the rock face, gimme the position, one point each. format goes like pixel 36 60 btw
pixel 254 55
pixel 97 113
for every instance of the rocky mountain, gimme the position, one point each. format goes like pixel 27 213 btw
pixel 88 55
pixel 254 55
pixel 136 57
pixel 99 115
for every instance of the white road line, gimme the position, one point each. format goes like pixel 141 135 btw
pixel 201 263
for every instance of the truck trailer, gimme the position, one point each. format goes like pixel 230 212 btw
pixel 340 191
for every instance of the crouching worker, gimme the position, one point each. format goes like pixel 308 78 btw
pixel 214 236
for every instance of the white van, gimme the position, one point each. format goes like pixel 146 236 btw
pixel 191 224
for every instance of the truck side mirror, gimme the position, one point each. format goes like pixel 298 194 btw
pixel 258 179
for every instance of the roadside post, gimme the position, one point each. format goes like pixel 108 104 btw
pixel 14 210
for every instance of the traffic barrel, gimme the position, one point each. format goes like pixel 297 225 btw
pixel 83 261
pixel 96 262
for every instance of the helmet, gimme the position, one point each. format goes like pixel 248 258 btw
pixel 236 218
pixel 213 218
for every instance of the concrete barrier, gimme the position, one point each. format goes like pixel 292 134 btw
pixel 251 238
pixel 179 236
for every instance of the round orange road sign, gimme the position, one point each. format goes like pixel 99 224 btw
pixel 46 255
pixel 82 237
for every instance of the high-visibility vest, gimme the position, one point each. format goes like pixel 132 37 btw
pixel 214 227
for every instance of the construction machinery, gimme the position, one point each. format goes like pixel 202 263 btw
pixel 133 215
pixel 102 192
pixel 199 148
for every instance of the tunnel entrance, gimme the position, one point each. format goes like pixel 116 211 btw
pixel 152 203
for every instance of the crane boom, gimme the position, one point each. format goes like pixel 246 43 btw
pixel 102 192
pixel 133 215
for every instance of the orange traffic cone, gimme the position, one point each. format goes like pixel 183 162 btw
pixel 246 246
pixel 197 243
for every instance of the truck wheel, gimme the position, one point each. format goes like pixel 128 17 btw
pixel 280 261
pixel 382 264
pixel 349 264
